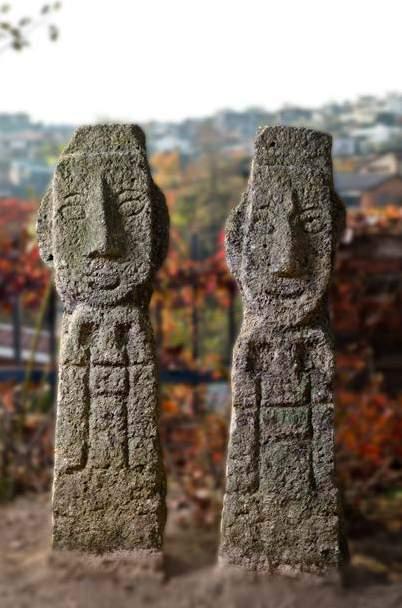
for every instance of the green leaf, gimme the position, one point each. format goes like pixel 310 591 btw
pixel 24 21
pixel 17 45
pixel 53 33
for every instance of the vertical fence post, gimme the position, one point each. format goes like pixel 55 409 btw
pixel 194 253
pixel 159 325
pixel 16 320
pixel 194 311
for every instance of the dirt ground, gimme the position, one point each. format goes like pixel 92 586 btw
pixel 30 579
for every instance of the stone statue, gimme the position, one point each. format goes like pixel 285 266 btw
pixel 103 226
pixel 280 512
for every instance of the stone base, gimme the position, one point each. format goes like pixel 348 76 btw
pixel 124 565
pixel 253 572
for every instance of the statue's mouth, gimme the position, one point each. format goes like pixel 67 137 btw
pixel 285 286
pixel 104 280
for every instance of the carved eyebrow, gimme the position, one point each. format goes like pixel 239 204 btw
pixel 310 207
pixel 131 190
pixel 127 195
pixel 71 195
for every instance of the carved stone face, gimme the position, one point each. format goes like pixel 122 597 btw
pixel 102 228
pixel 281 240
pixel 288 239
pixel 97 223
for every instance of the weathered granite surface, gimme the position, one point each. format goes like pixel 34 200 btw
pixel 281 506
pixel 103 226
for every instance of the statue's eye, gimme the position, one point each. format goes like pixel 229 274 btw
pixel 72 210
pixel 312 220
pixel 131 202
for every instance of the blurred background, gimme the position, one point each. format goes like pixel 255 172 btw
pixel 172 69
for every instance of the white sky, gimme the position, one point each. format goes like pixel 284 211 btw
pixel 169 59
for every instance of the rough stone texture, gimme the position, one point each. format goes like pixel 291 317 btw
pixel 281 510
pixel 103 226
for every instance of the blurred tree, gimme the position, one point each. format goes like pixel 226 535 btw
pixel 15 33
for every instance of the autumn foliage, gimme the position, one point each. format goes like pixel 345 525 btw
pixel 22 273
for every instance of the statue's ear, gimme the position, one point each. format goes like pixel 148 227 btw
pixel 234 235
pixel 44 227
pixel 161 226
pixel 340 217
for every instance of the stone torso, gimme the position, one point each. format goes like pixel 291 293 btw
pixel 101 355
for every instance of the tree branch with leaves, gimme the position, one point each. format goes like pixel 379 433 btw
pixel 16 33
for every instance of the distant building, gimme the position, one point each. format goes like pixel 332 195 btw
pixel 378 134
pixel 169 142
pixel 4 171
pixel 242 124
pixel 28 177
pixel 369 190
pixel 393 103
pixel 294 115
pixel 389 163
pixel 344 146
pixel 14 122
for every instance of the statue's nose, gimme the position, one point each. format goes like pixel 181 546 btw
pixel 103 240
pixel 286 260
pixel 286 249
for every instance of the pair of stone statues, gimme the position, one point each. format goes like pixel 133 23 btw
pixel 103 226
